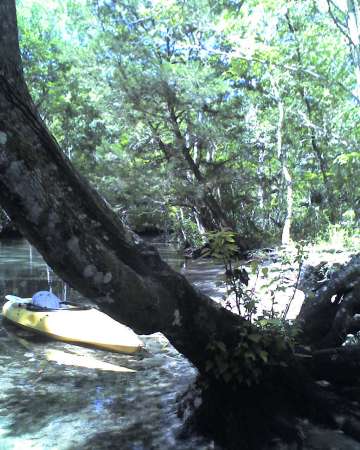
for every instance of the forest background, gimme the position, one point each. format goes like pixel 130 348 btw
pixel 191 116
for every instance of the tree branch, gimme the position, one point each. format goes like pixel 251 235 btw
pixel 295 69
pixel 321 315
pixel 340 365
pixel 340 26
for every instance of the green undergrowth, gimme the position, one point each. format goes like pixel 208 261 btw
pixel 338 238
pixel 265 292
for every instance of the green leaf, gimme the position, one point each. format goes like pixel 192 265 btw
pixel 264 355
pixel 250 355
pixel 221 346
pixel 254 265
pixel 254 338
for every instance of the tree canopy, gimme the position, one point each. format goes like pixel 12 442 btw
pixel 192 116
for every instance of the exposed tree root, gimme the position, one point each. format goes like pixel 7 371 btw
pixel 328 312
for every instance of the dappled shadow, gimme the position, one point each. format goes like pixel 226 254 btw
pixel 115 440
pixel 30 408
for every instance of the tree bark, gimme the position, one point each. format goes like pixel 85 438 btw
pixel 354 34
pixel 219 217
pixel 338 365
pixel 327 314
pixel 285 237
pixel 347 21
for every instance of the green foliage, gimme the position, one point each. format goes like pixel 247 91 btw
pixel 340 237
pixel 254 355
pixel 245 301
pixel 223 247
pixel 186 230
pixel 173 105
pixel 279 282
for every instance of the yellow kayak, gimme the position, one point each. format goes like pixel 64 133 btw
pixel 77 325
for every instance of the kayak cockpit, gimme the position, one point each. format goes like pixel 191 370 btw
pixel 68 322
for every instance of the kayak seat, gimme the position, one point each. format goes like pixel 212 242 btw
pixel 46 299
pixel 64 306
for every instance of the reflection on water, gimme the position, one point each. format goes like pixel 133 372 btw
pixel 55 403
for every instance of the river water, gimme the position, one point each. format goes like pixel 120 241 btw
pixel 57 396
pixel 50 401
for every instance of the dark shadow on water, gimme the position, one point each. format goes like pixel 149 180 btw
pixel 115 440
pixel 30 408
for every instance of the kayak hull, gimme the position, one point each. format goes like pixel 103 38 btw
pixel 78 326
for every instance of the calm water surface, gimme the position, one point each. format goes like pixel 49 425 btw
pixel 48 404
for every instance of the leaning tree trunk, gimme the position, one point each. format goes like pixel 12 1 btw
pixel 78 234
pixel 88 246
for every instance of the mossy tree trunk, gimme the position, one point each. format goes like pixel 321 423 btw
pixel 79 235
